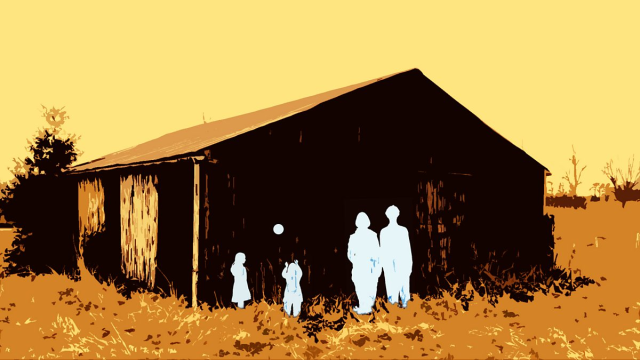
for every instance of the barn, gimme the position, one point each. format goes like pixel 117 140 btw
pixel 172 213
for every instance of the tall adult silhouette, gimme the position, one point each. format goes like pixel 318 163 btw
pixel 363 251
pixel 292 273
pixel 395 249
pixel 240 286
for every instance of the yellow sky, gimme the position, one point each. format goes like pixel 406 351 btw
pixel 545 76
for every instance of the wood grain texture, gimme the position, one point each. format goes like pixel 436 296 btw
pixel 139 227
pixel 91 214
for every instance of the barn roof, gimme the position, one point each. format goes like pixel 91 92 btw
pixel 191 140
pixel 201 136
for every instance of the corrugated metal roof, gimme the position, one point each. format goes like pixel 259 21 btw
pixel 198 137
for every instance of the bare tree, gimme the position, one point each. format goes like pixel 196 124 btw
pixel 629 178
pixel 624 181
pixel 573 185
pixel 561 190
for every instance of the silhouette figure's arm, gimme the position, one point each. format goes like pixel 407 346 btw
pixel 377 254
pixel 408 245
pixel 350 253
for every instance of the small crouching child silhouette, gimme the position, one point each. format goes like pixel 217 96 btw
pixel 395 248
pixel 240 286
pixel 292 273
pixel 363 251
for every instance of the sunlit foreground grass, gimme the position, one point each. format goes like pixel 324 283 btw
pixel 54 317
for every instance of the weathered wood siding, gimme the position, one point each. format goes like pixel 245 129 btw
pixel 139 226
pixel 91 214
pixel 440 210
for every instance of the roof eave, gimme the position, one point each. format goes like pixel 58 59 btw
pixel 194 158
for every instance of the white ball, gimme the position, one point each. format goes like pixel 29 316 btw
pixel 278 229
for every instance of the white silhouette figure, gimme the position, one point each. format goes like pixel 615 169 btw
pixel 292 273
pixel 395 249
pixel 240 286
pixel 364 253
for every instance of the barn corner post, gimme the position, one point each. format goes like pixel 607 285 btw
pixel 196 232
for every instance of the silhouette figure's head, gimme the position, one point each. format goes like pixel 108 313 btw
pixel 392 212
pixel 240 258
pixel 362 221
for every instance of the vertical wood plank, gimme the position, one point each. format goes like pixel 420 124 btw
pixel 544 198
pixel 91 215
pixel 196 234
pixel 139 227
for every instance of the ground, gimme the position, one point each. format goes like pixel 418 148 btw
pixel 53 317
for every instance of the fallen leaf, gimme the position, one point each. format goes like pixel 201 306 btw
pixel 416 335
pixel 360 342
pixel 312 352
pixel 223 353
pixel 288 338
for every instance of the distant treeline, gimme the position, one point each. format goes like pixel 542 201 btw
pixel 622 187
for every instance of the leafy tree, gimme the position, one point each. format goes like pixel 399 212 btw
pixel 37 202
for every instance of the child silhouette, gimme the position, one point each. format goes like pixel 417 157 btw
pixel 240 286
pixel 292 273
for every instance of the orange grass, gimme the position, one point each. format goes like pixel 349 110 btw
pixel 54 317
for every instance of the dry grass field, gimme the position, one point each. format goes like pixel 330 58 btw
pixel 53 317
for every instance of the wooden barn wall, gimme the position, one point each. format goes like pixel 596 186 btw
pixel 139 226
pixel 442 232
pixel 506 224
pixel 98 215
pixel 175 227
pixel 365 151
pixel 145 232
pixel 90 208
pixel 313 173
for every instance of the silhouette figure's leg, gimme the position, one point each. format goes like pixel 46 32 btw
pixel 393 288
pixel 373 289
pixel 241 304
pixel 389 285
pixel 405 295
pixel 296 308
pixel 361 300
pixel 374 292
pixel 287 307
